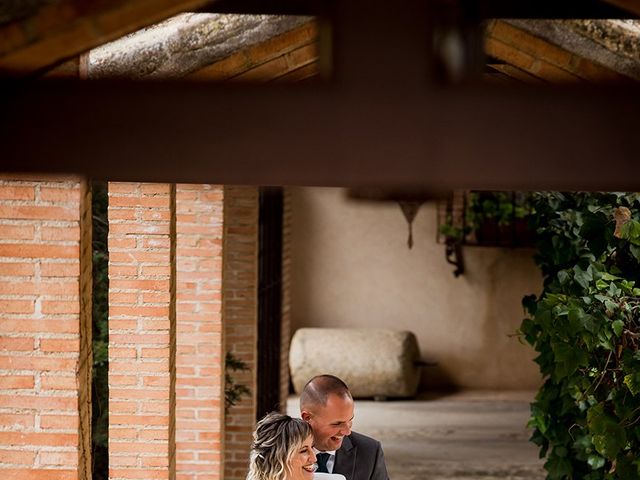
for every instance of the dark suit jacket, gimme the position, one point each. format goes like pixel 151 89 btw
pixel 360 458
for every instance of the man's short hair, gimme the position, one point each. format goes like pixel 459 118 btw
pixel 318 389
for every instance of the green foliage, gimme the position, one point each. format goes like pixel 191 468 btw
pixel 233 391
pixel 100 387
pixel 585 327
pixel 494 211
pixel 502 207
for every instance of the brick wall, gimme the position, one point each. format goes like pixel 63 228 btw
pixel 44 343
pixel 240 283
pixel 199 378
pixel 140 327
pixel 166 349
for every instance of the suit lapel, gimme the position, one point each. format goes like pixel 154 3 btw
pixel 346 459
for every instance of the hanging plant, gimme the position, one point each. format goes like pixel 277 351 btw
pixel 585 327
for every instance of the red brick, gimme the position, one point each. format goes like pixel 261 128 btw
pixel 155 352
pixel 37 363
pixel 57 382
pixel 117 406
pixel 59 422
pixel 58 458
pixel 139 474
pixel 16 421
pixel 38 212
pixel 16 457
pixel 16 269
pixel 139 201
pixel 155 381
pixel 116 188
pixel 139 311
pixel 17 381
pixel 147 367
pixel 15 192
pixel 59 345
pixel 60 306
pixel 38 251
pixel 119 324
pixel 135 393
pixel 60 195
pixel 140 285
pixel 124 460
pixel 151 189
pixel 16 344
pixel 49 269
pixel 154 215
pixel 17 306
pixel 124 243
pixel 38 474
pixel 17 232
pixel 128 447
pixel 115 352
pixel 69 233
pixel 38 438
pixel 39 325
pixel 139 339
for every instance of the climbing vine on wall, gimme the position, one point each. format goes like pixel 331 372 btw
pixel 585 327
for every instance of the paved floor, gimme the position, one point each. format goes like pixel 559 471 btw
pixel 460 436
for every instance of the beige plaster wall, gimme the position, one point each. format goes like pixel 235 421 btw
pixel 351 268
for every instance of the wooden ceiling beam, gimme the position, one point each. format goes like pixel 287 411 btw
pixel 547 9
pixel 465 137
pixel 64 29
pixel 631 6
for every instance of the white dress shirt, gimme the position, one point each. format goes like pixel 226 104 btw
pixel 332 458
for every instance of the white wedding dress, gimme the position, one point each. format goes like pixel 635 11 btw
pixel 328 476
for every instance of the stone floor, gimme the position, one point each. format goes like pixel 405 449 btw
pixel 458 436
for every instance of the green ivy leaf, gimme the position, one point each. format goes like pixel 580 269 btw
pixel 632 381
pixel 608 436
pixel 590 323
pixel 558 468
pixel 617 326
pixel 596 461
pixel 568 358
pixel 631 231
pixel 582 277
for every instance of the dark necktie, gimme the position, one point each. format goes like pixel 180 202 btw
pixel 322 459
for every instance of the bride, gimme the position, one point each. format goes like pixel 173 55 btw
pixel 282 449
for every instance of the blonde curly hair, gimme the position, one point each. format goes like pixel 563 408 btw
pixel 276 438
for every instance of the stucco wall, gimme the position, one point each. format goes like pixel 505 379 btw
pixel 351 268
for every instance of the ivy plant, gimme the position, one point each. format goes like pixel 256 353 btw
pixel 585 327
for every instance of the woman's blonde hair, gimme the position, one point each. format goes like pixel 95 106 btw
pixel 275 440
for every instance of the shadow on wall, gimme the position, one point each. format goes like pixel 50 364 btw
pixel 351 268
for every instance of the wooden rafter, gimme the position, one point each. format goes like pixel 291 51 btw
pixel 65 29
pixel 541 58
pixel 292 55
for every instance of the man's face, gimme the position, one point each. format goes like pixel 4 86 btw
pixel 330 422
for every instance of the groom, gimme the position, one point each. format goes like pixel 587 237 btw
pixel 327 405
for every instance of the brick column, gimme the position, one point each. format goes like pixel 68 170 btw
pixel 199 360
pixel 240 287
pixel 45 330
pixel 141 335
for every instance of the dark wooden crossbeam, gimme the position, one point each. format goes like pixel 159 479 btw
pixel 429 138
pixel 550 9
pixel 382 120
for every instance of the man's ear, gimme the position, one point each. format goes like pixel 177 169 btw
pixel 306 416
